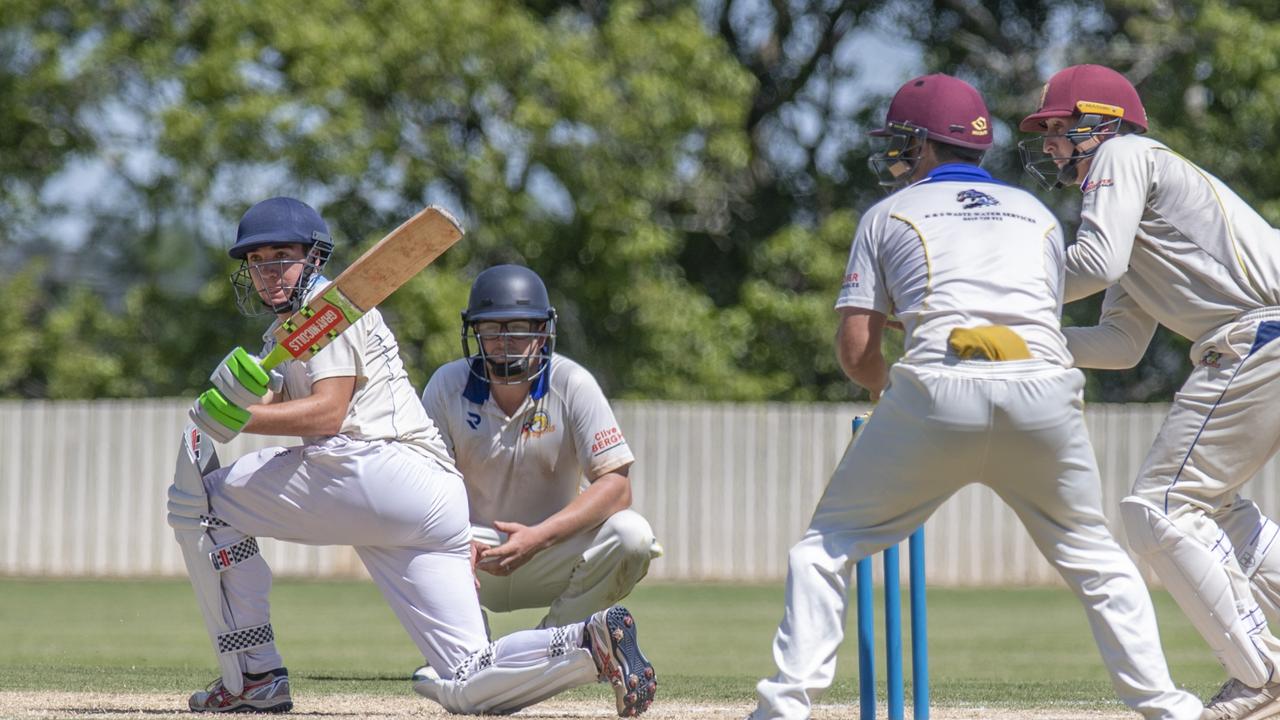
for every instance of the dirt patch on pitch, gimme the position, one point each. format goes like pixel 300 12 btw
pixel 326 707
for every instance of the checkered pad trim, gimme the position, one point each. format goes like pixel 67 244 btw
pixel 246 639
pixel 559 642
pixel 212 522
pixel 474 663
pixel 232 554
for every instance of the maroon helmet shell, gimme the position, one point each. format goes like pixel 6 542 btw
pixel 951 110
pixel 1083 90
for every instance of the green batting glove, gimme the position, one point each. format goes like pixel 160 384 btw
pixel 218 417
pixel 241 379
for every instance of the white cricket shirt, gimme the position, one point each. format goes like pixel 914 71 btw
pixel 385 405
pixel 527 467
pixel 1184 249
pixel 960 250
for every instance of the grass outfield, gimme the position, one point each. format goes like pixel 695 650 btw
pixel 1012 649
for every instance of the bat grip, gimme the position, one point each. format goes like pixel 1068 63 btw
pixel 277 355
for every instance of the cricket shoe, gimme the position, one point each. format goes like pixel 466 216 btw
pixel 618 658
pixel 267 693
pixel 425 681
pixel 1237 701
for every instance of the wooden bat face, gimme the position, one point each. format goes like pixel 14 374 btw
pixel 396 258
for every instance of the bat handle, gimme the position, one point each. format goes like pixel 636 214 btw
pixel 277 355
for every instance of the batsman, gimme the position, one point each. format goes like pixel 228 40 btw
pixel 372 473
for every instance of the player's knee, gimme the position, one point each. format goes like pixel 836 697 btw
pixel 632 533
pixel 809 553
pixel 1139 520
pixel 1150 530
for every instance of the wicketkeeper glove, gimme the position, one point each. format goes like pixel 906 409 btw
pixel 241 379
pixel 218 417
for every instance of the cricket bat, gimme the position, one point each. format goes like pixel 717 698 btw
pixel 368 281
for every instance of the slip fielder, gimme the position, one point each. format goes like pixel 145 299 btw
pixel 1173 245
pixel 372 473
pixel 984 392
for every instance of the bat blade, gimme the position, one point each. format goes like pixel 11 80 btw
pixel 396 258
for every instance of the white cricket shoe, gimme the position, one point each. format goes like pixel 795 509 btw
pixel 426 681
pixel 619 660
pixel 1237 701
pixel 267 694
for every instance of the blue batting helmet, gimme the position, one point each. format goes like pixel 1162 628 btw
pixel 509 303
pixel 278 221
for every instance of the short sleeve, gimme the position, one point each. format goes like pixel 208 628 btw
pixel 863 285
pixel 602 448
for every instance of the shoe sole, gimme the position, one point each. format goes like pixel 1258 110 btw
pixel 633 680
pixel 1266 712
pixel 285 706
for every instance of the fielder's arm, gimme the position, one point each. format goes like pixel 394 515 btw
pixel 1120 338
pixel 858 348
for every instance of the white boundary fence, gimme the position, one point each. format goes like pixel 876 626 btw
pixel 727 487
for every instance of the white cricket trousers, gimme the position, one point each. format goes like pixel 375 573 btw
pixel 589 571
pixel 1016 427
pixel 1223 426
pixel 405 514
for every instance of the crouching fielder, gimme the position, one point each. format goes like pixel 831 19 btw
pixel 985 392
pixel 371 473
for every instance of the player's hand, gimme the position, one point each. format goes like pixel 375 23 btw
pixel 523 542
pixel 218 417
pixel 241 379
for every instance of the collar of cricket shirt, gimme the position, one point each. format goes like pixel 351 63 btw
pixel 477 388
pixel 959 172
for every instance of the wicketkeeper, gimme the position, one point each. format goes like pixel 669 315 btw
pixel 1173 245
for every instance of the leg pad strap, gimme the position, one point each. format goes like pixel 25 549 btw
pixel 233 553
pixel 244 639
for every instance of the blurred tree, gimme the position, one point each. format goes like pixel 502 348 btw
pixel 568 141
pixel 686 174
pixel 44 86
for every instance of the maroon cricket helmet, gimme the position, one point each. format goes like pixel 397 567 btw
pixel 1087 90
pixel 950 109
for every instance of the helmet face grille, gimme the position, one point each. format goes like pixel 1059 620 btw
pixel 250 302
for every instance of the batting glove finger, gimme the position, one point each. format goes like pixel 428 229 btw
pixel 218 417
pixel 242 380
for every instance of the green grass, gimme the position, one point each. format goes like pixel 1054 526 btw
pixel 710 642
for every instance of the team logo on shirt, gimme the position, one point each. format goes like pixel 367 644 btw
pixel 473 420
pixel 1211 358
pixel 538 425
pixel 975 198
pixel 1092 185
pixel 851 280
